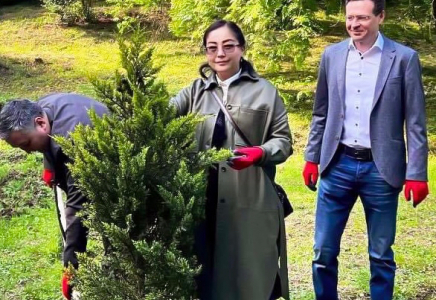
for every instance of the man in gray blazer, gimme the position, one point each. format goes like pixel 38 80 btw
pixel 30 126
pixel 369 90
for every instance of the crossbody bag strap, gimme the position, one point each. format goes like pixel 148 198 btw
pixel 229 117
pixel 283 269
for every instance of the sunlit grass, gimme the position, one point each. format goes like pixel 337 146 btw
pixel 29 244
pixel 30 266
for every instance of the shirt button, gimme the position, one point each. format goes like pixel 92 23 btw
pixel 337 138
pixel 357 107
pixel 355 141
pixel 357 124
pixel 358 91
pixel 361 58
pixel 229 107
pixel 223 169
pixel 360 74
pixel 342 116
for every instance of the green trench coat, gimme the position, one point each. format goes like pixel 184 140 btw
pixel 250 247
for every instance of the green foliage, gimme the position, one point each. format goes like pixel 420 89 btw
pixel 194 16
pixel 132 3
pixel 71 11
pixel 146 182
pixel 422 12
pixel 333 6
pixel 277 31
pixel 30 265
pixel 123 8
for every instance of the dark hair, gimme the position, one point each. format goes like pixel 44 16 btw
pixel 17 115
pixel 245 65
pixel 379 5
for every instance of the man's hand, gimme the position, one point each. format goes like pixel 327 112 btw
pixel 310 175
pixel 67 290
pixel 48 176
pixel 419 191
pixel 245 157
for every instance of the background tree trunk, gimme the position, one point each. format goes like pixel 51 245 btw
pixel 434 9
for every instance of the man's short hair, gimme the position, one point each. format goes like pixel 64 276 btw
pixel 379 5
pixel 17 115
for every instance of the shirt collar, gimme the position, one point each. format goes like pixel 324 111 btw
pixel 212 82
pixel 228 81
pixel 379 43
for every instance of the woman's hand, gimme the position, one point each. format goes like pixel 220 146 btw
pixel 245 157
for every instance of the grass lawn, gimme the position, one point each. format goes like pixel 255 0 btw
pixel 30 256
pixel 38 56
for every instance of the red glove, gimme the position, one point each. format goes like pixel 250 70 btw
pixel 66 287
pixel 419 191
pixel 48 176
pixel 245 157
pixel 310 174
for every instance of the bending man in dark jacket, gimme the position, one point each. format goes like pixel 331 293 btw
pixel 30 126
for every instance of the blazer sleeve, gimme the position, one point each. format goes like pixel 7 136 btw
pixel 76 233
pixel 319 115
pixel 415 119
pixel 47 165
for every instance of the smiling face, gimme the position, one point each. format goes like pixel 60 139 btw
pixel 362 25
pixel 223 52
pixel 36 139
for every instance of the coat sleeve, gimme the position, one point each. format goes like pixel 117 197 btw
pixel 278 146
pixel 46 163
pixel 416 132
pixel 76 233
pixel 319 115
pixel 182 101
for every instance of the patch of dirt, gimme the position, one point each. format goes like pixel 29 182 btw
pixel 14 201
pixel 4 69
pixel 424 293
pixel 427 294
pixel 12 156
pixel 13 174
pixel 6 213
pixel 29 67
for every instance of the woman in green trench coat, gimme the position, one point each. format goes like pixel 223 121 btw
pixel 242 244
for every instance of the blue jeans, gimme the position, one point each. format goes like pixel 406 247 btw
pixel 345 180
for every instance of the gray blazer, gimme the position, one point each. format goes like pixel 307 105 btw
pixel 65 112
pixel 398 105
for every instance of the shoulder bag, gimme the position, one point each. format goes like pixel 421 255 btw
pixel 287 207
